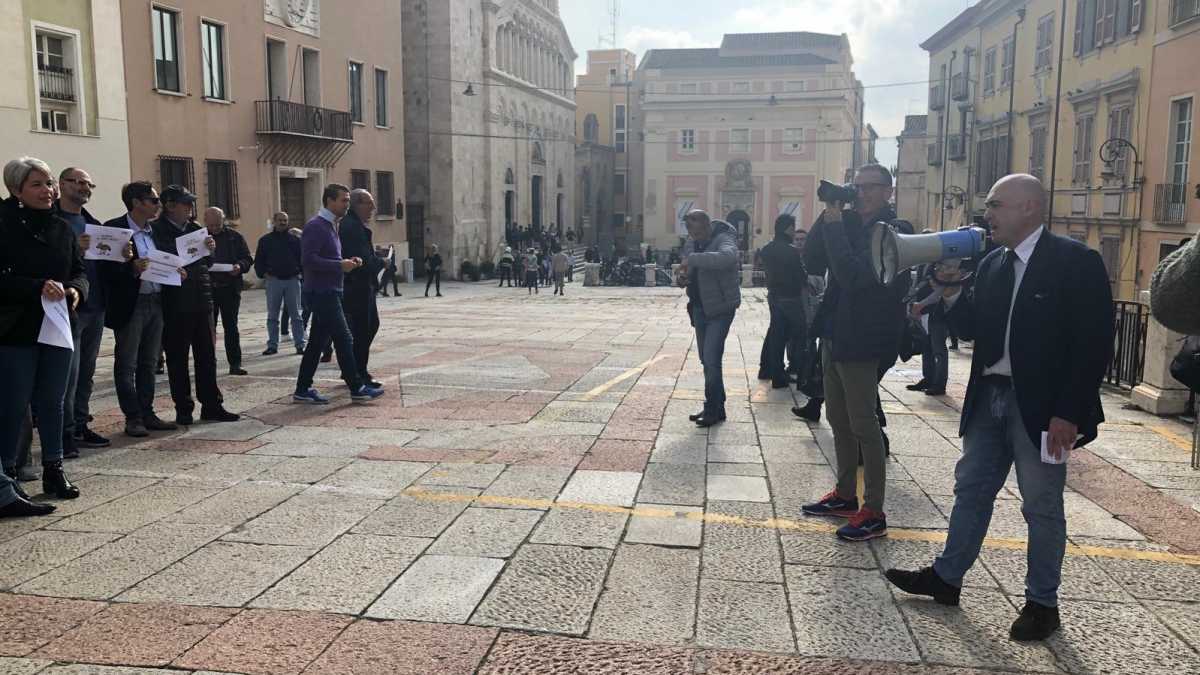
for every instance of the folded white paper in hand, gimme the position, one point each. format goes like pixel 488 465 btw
pixel 222 267
pixel 108 243
pixel 191 246
pixel 1047 457
pixel 56 326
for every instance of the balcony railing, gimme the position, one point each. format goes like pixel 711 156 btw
pixel 958 87
pixel 1129 344
pixel 297 119
pixel 56 83
pixel 937 97
pixel 935 154
pixel 1184 10
pixel 956 147
pixel 1170 203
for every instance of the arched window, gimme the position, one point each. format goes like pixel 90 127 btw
pixel 560 179
pixel 539 156
pixel 508 176
pixel 591 128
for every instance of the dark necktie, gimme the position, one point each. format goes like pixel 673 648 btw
pixel 994 308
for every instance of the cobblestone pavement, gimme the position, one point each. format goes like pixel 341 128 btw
pixel 529 497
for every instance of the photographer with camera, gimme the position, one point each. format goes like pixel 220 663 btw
pixel 859 322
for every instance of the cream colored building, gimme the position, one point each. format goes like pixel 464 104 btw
pixel 62 91
pixel 744 131
pixel 1003 54
pixel 603 118
pixel 910 195
pixel 256 104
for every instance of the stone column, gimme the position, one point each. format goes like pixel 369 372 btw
pixel 747 276
pixel 591 274
pixel 1159 393
pixel 652 275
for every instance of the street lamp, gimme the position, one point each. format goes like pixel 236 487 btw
pixel 1112 151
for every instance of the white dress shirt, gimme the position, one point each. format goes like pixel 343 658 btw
pixel 1024 252
pixel 143 241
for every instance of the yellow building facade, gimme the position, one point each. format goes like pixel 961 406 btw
pixel 996 108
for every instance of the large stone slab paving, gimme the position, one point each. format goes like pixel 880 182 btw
pixel 265 642
pixel 487 533
pixel 244 429
pixel 601 487
pixel 738 488
pixel 673 484
pixel 138 462
pixel 222 574
pixel 1181 617
pixel 382 479
pixel 909 507
pixel 136 635
pixel 346 576
pixel 28 622
pixel 737 470
pixel 414 516
pixel 438 588
pixel 114 567
pixel 1150 580
pixel 237 504
pixel 12 666
pixel 88 669
pixel 974 634
pixel 135 510
pixel 649 596
pixel 94 491
pixel 1082 578
pixel 40 551
pixel 825 549
pixel 734 454
pixel 404 648
pixel 665 525
pixel 739 552
pixel 224 470
pixel 462 475
pixel 541 483
pixel 677 448
pixel 791 451
pixel 847 613
pixel 519 654
pixel 304 469
pixel 913 555
pixel 580 527
pixel 743 615
pixel 1101 637
pixel 546 588
pixel 11 528
pixel 567 411
pixel 311 518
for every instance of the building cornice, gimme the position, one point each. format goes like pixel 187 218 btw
pixel 509 80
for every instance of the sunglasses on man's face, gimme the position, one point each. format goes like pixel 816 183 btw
pixel 80 181
pixel 151 200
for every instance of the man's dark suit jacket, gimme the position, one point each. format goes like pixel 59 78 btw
pixel 1061 336
pixel 357 242
pixel 121 284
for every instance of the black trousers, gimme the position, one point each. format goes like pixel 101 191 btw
pixel 506 275
pixel 191 331
pixel 434 277
pixel 227 300
pixel 787 329
pixel 362 317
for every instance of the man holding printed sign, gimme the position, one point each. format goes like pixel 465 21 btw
pixel 1041 316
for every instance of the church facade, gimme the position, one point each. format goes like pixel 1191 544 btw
pixel 490 112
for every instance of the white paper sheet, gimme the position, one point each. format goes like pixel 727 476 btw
pixel 222 267
pixel 56 327
pixel 191 246
pixel 1047 457
pixel 163 269
pixel 108 243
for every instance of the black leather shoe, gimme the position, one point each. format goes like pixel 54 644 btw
pixel 811 411
pixel 1036 623
pixel 153 423
pixel 374 384
pixel 15 475
pixel 270 352
pixel 54 482
pixel 218 414
pixel 695 416
pixel 919 386
pixel 935 392
pixel 238 371
pixel 924 582
pixel 182 420
pixel 707 420
pixel 23 508
pixel 780 384
pixel 763 374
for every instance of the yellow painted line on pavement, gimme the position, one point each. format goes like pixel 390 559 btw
pixel 636 370
pixel 787 525
pixel 1181 441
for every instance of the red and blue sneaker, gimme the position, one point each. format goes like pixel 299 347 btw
pixel 833 506
pixel 864 525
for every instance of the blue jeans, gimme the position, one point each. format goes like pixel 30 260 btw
pixel 36 376
pixel 88 330
pixel 329 323
pixel 995 440
pixel 285 292
pixel 710 343
pixel 139 344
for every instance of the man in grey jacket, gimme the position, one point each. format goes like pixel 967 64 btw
pixel 710 274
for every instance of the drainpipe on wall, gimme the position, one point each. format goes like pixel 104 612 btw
pixel 945 137
pixel 1012 88
pixel 1062 47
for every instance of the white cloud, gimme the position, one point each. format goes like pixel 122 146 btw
pixel 640 38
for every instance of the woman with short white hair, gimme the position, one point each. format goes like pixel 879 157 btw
pixel 40 264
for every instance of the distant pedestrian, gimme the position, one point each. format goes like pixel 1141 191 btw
pixel 559 269
pixel 433 270
pixel 277 261
pixel 531 271
pixel 389 274
pixel 227 286
pixel 506 267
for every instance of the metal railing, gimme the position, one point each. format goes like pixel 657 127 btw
pixel 1170 203
pixel 937 97
pixel 1184 10
pixel 56 82
pixel 1129 349
pixel 957 147
pixel 958 87
pixel 286 117
pixel 935 154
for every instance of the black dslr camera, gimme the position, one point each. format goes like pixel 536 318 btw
pixel 830 193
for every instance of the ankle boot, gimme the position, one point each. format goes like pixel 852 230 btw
pixel 16 483
pixel 54 481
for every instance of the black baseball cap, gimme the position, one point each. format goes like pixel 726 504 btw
pixel 177 194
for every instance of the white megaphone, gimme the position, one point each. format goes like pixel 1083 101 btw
pixel 893 253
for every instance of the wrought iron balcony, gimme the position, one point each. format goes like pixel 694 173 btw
pixel 958 87
pixel 298 119
pixel 56 83
pixel 937 97
pixel 1170 203
pixel 956 148
pixel 935 154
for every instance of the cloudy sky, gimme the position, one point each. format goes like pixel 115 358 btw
pixel 884 35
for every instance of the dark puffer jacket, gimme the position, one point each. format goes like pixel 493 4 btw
pixel 716 270
pixel 195 293
pixel 861 317
pixel 38 246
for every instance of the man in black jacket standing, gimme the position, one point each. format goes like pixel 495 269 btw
pixel 277 262
pixel 1041 318
pixel 359 285
pixel 188 315
pixel 859 322
pixel 786 284
pixel 230 250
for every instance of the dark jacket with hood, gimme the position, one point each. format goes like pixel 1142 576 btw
pixel 195 293
pixel 39 246
pixel 861 317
